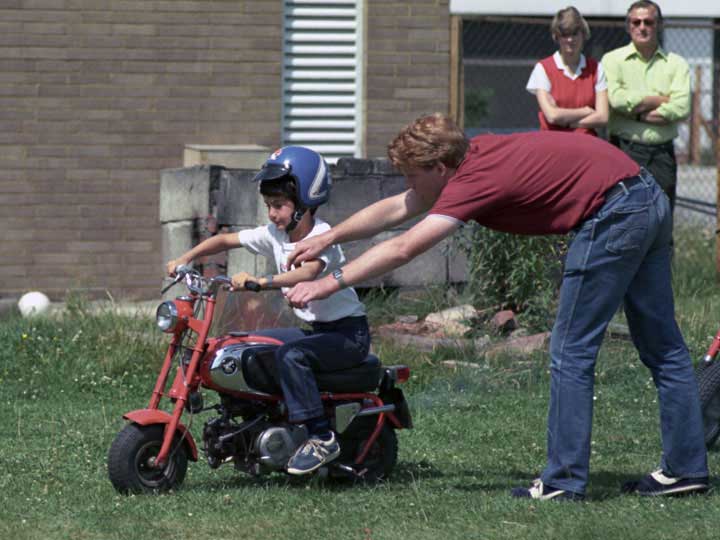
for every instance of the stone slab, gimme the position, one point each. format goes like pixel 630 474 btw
pixel 184 193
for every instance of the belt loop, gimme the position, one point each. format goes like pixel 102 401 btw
pixel 621 183
pixel 644 173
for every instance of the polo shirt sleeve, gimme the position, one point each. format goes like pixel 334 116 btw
pixel 622 99
pixel 601 82
pixel 257 241
pixel 678 108
pixel 538 80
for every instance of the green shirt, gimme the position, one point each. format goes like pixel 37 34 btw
pixel 631 78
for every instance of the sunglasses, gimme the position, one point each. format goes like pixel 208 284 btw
pixel 647 22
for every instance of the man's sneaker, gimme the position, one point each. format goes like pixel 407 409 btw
pixel 542 492
pixel 657 483
pixel 313 454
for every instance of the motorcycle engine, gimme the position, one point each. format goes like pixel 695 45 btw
pixel 277 444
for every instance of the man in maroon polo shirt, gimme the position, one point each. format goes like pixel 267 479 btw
pixel 549 183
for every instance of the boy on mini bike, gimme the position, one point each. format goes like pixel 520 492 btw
pixel 294 182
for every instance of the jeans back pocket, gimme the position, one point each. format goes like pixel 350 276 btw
pixel 629 229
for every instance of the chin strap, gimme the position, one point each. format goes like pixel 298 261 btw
pixel 296 217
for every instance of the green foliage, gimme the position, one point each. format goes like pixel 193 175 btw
pixel 477 105
pixel 507 271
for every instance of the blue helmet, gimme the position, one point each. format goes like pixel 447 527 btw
pixel 306 167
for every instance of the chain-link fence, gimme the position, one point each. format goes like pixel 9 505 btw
pixel 500 52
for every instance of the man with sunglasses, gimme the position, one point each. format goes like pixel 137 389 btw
pixel 649 94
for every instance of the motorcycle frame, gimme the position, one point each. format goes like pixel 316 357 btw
pixel 713 349
pixel 188 381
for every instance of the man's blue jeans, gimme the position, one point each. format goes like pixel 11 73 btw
pixel 621 256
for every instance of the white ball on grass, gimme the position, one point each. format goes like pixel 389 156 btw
pixel 33 303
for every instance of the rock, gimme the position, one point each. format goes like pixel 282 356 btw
pixel 518 333
pixel 522 345
pixel 407 319
pixel 504 321
pixel 465 312
pixel 457 364
pixel 423 343
pixel 452 320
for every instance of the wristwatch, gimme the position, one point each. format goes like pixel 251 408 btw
pixel 268 281
pixel 338 275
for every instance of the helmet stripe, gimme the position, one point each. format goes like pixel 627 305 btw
pixel 317 183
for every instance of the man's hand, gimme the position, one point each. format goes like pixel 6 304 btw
pixel 309 249
pixel 307 291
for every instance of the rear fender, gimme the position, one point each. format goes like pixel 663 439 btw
pixel 148 417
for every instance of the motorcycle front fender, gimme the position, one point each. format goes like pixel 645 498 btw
pixel 148 417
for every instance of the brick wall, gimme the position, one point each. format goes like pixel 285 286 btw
pixel 408 65
pixel 96 97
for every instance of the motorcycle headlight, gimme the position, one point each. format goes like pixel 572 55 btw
pixel 166 316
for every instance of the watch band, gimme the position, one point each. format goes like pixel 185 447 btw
pixel 268 281
pixel 338 275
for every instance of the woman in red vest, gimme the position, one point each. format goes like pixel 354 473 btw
pixel 571 88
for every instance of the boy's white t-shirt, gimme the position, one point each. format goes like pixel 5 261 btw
pixel 270 241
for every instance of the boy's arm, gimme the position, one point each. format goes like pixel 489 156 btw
pixel 307 272
pixel 212 245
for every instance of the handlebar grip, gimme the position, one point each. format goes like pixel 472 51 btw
pixel 253 286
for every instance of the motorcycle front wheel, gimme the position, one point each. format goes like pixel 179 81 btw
pixel 708 378
pixel 131 457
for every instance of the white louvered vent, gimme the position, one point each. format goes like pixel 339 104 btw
pixel 322 76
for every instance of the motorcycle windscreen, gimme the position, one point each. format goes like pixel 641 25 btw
pixel 247 311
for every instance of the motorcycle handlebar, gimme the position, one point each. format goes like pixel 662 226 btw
pixel 253 286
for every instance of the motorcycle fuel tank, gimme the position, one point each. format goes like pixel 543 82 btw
pixel 231 365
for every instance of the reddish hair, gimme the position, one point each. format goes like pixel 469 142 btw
pixel 427 141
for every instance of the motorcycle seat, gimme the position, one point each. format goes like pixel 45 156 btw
pixel 260 373
pixel 364 377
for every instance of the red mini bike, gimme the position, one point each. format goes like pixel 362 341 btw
pixel 250 429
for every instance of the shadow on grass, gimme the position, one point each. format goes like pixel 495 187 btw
pixel 404 474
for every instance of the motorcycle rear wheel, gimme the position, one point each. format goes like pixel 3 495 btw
pixel 708 378
pixel 130 461
pixel 380 459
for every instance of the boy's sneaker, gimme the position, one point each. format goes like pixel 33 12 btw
pixel 542 492
pixel 657 483
pixel 313 454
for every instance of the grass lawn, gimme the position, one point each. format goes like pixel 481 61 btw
pixel 479 432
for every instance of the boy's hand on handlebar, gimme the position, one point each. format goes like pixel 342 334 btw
pixel 171 266
pixel 240 279
pixel 308 249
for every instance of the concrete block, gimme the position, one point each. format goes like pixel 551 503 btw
pixel 234 156
pixel 349 194
pixel 176 239
pixel 184 193
pixel 428 268
pixel 352 167
pixel 237 200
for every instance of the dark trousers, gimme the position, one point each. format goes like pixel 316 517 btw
pixel 329 346
pixel 659 159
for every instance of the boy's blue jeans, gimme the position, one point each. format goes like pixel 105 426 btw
pixel 330 346
pixel 621 256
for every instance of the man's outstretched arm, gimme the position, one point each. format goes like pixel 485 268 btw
pixel 364 223
pixel 378 260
